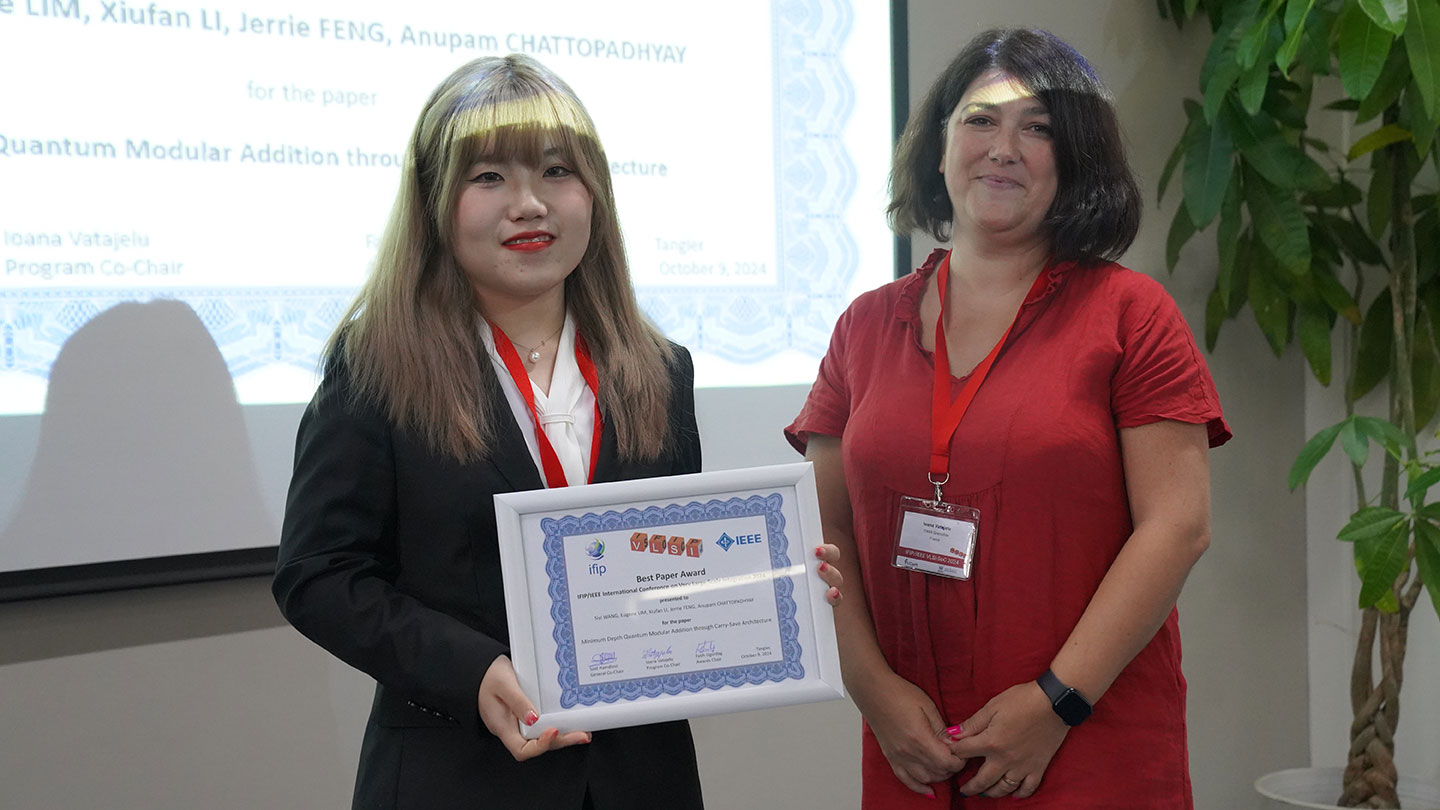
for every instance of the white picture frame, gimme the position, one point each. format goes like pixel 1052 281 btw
pixel 606 634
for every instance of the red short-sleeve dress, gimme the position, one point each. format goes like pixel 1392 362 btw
pixel 1038 454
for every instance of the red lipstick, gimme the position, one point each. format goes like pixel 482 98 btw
pixel 529 241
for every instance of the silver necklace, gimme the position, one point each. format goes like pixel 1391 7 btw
pixel 534 352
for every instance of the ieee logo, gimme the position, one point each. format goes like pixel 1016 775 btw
pixel 726 541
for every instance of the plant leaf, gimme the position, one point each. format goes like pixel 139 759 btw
pixel 1220 70
pixel 1280 223
pixel 1194 117
pixel 1285 165
pixel 1176 155
pixel 1339 195
pixel 1388 14
pixel 1358 244
pixel 1254 42
pixel 1361 51
pixel 1379 139
pixel 1422 484
pixel 1372 353
pixel 1427 252
pixel 1380 559
pixel 1245 129
pixel 1356 445
pixel 1313 328
pixel 1250 88
pixel 1377 199
pixel 1393 78
pixel 1369 522
pixel 1422 44
pixel 1207 172
pixel 1427 559
pixel 1296 12
pixel 1385 433
pixel 1414 118
pixel 1181 229
pixel 1227 238
pixel 1269 303
pixel 1334 294
pixel 1310 455
pixel 1214 317
pixel 1425 371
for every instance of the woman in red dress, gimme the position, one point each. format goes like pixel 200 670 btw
pixel 1029 655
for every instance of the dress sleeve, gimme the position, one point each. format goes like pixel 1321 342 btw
pixel 827 409
pixel 1161 373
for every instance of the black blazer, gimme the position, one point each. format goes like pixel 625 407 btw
pixel 389 560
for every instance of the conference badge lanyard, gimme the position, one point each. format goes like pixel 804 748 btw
pixel 935 537
pixel 549 461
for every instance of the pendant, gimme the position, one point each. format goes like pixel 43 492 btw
pixel 534 355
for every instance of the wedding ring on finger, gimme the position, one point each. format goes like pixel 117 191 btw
pixel 1010 782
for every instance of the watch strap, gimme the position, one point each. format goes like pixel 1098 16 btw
pixel 1067 702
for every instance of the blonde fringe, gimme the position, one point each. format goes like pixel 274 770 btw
pixel 409 340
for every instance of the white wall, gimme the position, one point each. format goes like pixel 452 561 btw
pixel 200 696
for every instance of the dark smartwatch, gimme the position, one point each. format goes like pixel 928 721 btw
pixel 1072 706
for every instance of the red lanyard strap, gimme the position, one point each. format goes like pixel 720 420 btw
pixel 945 416
pixel 549 461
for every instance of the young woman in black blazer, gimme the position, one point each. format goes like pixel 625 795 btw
pixel 501 273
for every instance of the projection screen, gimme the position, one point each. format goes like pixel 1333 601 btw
pixel 191 193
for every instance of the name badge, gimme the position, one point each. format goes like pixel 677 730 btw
pixel 934 537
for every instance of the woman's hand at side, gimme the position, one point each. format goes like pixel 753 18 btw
pixel 1017 733
pixel 909 729
pixel 503 706
pixel 903 718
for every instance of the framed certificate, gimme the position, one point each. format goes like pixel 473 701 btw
pixel 641 601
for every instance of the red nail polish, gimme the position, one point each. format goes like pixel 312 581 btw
pixel 531 718
pixel 824 566
pixel 930 795
pixel 955 731
pixel 819 551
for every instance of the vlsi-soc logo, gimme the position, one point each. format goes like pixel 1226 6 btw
pixel 661 544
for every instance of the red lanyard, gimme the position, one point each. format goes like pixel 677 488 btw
pixel 554 473
pixel 945 416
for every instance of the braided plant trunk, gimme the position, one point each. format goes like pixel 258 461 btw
pixel 1370 774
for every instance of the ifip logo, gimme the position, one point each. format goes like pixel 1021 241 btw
pixel 596 551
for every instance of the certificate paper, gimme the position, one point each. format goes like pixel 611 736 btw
pixel 648 600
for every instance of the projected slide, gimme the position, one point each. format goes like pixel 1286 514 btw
pixel 241 159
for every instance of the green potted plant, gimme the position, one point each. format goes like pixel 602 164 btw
pixel 1314 236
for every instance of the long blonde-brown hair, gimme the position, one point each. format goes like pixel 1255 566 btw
pixel 410 340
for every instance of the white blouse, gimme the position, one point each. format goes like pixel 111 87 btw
pixel 567 413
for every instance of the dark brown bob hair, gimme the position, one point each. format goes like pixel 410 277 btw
pixel 1096 211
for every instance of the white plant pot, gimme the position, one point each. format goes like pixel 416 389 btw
pixel 1320 787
